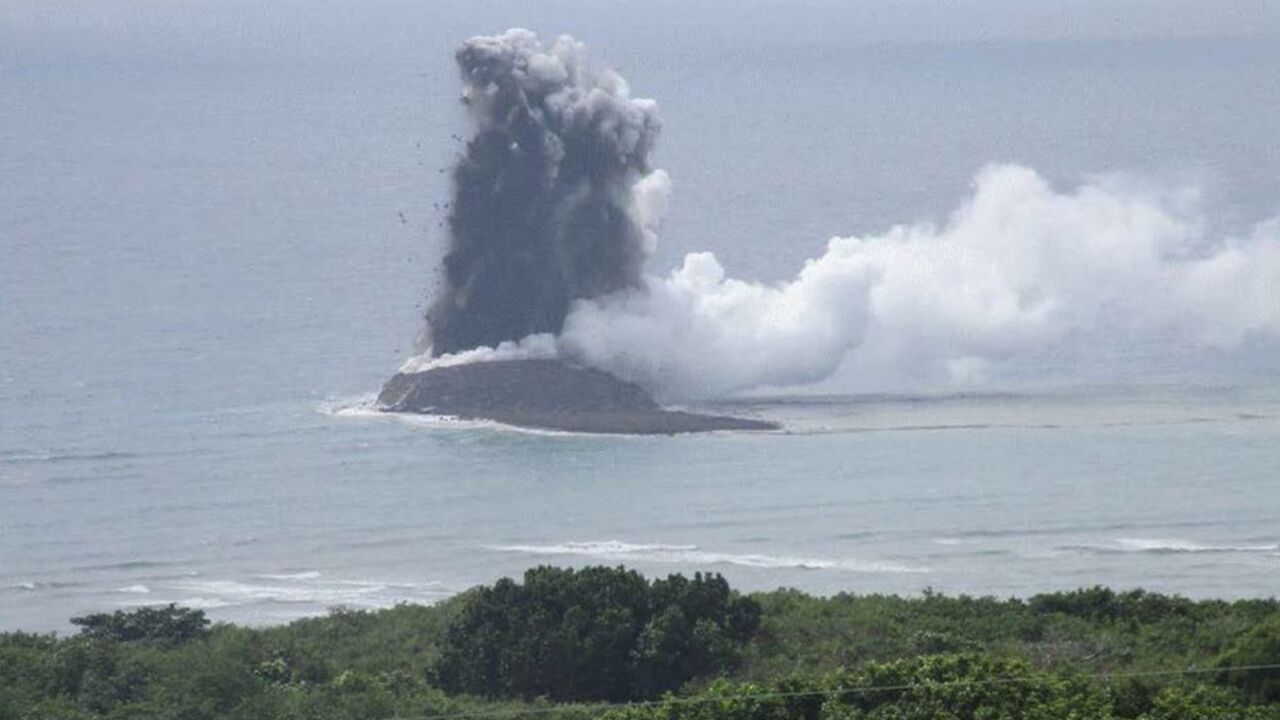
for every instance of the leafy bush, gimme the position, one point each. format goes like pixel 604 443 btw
pixel 593 634
pixel 1100 603
pixel 1254 651
pixel 948 687
pixel 168 625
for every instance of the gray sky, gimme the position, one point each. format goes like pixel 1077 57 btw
pixel 205 30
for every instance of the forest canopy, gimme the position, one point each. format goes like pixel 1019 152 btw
pixel 561 641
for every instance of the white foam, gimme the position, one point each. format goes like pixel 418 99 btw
pixel 452 422
pixel 366 408
pixel 693 555
pixel 202 603
pixel 598 547
pixel 359 406
pixel 1165 546
pixel 1153 545
pixel 310 588
pixel 234 591
pixel 306 575
pixel 33 586
pixel 369 411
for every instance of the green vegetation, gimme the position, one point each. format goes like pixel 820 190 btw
pixel 955 687
pixel 693 647
pixel 594 634
pixel 170 625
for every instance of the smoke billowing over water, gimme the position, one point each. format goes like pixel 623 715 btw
pixel 542 212
pixel 556 209
pixel 1020 270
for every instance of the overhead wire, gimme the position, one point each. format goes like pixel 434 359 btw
pixel 593 709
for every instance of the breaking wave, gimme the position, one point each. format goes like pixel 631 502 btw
pixel 615 550
pixel 1155 546
pixel 23 457
pixel 305 589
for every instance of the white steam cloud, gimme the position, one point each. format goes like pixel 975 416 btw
pixel 1020 269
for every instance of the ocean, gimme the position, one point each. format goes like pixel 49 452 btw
pixel 216 247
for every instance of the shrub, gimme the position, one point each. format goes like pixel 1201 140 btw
pixel 170 625
pixel 1259 647
pixel 1100 603
pixel 593 634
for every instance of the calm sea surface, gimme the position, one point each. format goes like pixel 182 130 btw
pixel 210 261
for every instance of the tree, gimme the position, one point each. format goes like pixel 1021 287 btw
pixel 170 625
pixel 1253 656
pixel 593 634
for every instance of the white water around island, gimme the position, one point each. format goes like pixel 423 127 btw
pixel 210 264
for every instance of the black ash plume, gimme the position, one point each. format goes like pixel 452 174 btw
pixel 542 212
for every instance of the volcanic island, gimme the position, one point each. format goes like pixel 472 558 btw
pixel 546 395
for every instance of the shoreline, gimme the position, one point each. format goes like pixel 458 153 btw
pixel 923 594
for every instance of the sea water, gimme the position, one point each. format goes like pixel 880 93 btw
pixel 283 509
pixel 211 260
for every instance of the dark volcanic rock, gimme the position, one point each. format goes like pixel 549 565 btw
pixel 545 394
